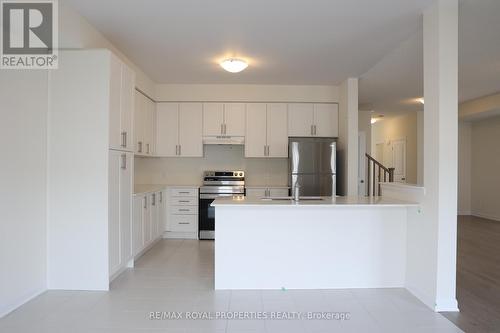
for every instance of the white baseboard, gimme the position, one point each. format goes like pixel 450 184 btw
pixel 8 308
pixel 446 305
pixel 486 216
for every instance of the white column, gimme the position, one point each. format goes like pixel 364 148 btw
pixel 348 136
pixel 440 148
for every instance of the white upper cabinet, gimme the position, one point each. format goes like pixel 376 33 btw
pixel 313 120
pixel 266 130
pixel 179 128
pixel 190 129
pixel 300 119
pixel 277 132
pixel 223 119
pixel 122 85
pixel 213 119
pixel 326 120
pixel 144 124
pixel 256 130
pixel 167 129
pixel 234 119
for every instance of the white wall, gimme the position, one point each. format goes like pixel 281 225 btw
pixel 464 168
pixel 395 128
pixel 347 148
pixel 365 125
pixel 23 129
pixel 189 171
pixel 75 32
pixel 485 166
pixel 245 93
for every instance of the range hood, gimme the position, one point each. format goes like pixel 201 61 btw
pixel 224 140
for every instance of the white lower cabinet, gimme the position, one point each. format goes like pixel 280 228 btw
pixel 265 192
pixel 119 210
pixel 182 212
pixel 149 214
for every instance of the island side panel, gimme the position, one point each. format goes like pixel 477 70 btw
pixel 300 247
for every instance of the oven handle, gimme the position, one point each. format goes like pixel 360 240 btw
pixel 218 195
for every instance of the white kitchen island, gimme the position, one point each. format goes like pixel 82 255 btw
pixel 343 242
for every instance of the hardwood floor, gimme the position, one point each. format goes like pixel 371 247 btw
pixel 478 276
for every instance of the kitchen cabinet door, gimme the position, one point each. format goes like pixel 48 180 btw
pixel 300 119
pixel 277 130
pixel 139 122
pixel 256 192
pixel 114 210
pixel 137 223
pixel 114 103
pixel 167 129
pixel 256 130
pixel 234 119
pixel 146 220
pixel 162 220
pixel 213 119
pixel 190 129
pixel 126 188
pixel 127 107
pixel 149 126
pixel 326 118
pixel 278 192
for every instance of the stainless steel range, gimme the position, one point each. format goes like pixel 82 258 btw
pixel 216 184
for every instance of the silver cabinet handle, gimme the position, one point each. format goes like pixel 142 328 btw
pixel 183 210
pixel 314 129
pixel 225 129
pixel 180 150
pixel 140 146
pixel 161 196
pixel 153 200
pixel 147 148
pixel 184 201
pixel 184 223
pixel 124 161
pixel 124 139
pixel 265 150
pixel 145 202
pixel 268 150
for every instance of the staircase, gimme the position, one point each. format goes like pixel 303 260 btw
pixel 377 173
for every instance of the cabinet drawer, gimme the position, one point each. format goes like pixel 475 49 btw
pixel 184 210
pixel 184 192
pixel 184 223
pixel 183 201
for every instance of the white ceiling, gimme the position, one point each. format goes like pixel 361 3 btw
pixel 393 84
pixel 287 42
pixel 300 42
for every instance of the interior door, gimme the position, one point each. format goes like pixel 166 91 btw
pixel 167 129
pixel 256 130
pixel 300 119
pixel 191 129
pixel 277 130
pixel 326 120
pixel 399 160
pixel 234 119
pixel 213 119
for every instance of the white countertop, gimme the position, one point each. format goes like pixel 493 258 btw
pixel 325 202
pixel 149 188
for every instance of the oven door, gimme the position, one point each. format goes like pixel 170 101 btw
pixel 206 220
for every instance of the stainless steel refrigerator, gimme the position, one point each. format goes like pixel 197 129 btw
pixel 312 164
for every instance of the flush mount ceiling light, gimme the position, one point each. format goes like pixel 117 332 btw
pixel 377 118
pixel 234 65
pixel 421 100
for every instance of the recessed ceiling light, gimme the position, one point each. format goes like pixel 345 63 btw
pixel 234 65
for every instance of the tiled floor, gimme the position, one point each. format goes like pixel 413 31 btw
pixel 177 275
